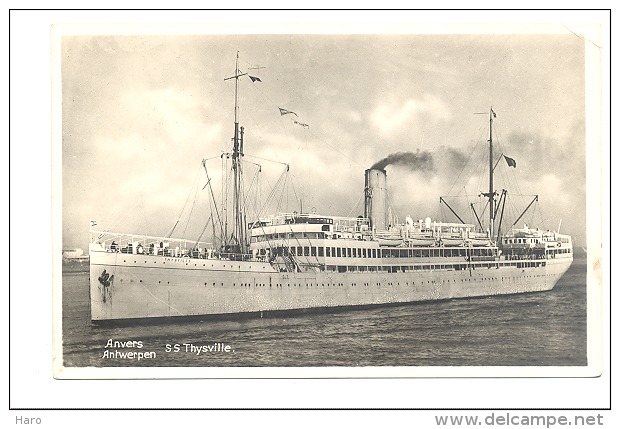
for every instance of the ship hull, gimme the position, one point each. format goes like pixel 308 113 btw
pixel 136 287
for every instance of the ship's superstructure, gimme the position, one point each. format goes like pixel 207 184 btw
pixel 292 261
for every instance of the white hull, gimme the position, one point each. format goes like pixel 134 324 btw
pixel 143 286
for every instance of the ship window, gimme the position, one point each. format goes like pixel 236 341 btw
pixel 306 251
pixel 348 252
pixel 299 251
pixel 363 253
pixel 339 252
pixel 333 252
pixel 313 251
pixel 322 250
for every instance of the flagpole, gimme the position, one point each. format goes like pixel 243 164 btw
pixel 491 191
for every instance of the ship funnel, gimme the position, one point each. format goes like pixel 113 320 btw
pixel 375 205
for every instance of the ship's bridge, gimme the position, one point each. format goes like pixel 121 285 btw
pixel 297 225
pixel 544 244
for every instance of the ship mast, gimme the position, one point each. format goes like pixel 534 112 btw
pixel 239 233
pixel 491 194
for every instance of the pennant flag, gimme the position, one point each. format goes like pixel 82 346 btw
pixel 286 112
pixel 93 223
pixel 494 115
pixel 302 124
pixel 254 78
pixel 511 162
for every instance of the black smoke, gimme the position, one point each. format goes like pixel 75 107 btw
pixel 414 161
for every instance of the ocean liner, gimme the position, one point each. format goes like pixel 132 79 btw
pixel 296 261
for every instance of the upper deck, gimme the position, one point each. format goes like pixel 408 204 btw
pixel 293 242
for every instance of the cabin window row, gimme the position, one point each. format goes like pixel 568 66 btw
pixel 557 251
pixel 430 267
pixel 288 236
pixel 357 252
pixel 437 252
pixel 521 241
pixel 336 252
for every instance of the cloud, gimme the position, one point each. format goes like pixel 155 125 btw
pixel 395 117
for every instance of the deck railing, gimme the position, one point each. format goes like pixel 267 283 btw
pixel 151 245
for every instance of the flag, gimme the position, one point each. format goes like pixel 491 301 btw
pixel 302 124
pixel 286 112
pixel 254 78
pixel 494 115
pixel 511 162
pixel 93 223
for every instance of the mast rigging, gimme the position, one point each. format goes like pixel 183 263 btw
pixel 238 235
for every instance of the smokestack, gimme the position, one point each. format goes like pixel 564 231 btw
pixel 375 204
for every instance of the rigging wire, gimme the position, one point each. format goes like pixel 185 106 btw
pixel 118 218
pixel 356 205
pixel 169 234
pixel 189 217
pixel 466 162
pixel 203 230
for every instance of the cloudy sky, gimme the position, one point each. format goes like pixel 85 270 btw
pixel 140 113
